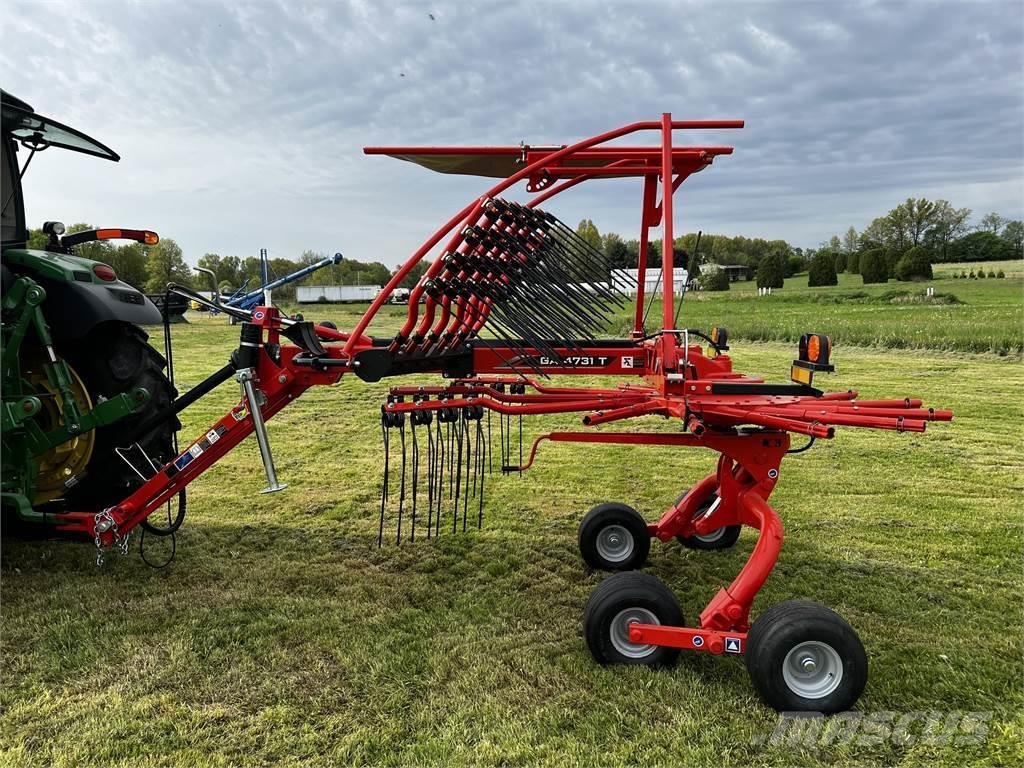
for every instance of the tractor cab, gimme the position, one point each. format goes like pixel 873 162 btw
pixel 77 372
pixel 26 131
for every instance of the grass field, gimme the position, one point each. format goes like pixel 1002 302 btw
pixel 966 315
pixel 283 635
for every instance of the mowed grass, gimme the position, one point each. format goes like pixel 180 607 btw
pixel 985 315
pixel 282 635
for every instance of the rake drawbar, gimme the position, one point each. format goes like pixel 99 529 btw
pixel 511 298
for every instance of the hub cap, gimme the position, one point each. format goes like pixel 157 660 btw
pixel 64 461
pixel 620 632
pixel 614 543
pixel 812 669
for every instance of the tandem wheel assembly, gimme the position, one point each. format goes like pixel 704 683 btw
pixel 800 655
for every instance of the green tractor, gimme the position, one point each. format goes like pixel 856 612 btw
pixel 78 376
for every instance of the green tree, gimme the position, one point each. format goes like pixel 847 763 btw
pixel 919 216
pixel 892 256
pixel 97 250
pixel 37 240
pixel 992 222
pixel 915 264
pixel 1013 235
pixel 822 270
pixel 877 234
pixel 617 253
pixel 129 261
pixel 714 280
pixel 770 272
pixel 165 264
pixel 587 230
pixel 850 243
pixel 794 265
pixel 410 280
pixel 981 246
pixel 950 224
pixel 840 262
pixel 853 263
pixel 210 261
pixel 873 266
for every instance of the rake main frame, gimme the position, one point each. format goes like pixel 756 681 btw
pixel 500 262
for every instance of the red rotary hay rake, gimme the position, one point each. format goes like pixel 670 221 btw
pixel 513 297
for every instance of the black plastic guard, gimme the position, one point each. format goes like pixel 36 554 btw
pixel 376 364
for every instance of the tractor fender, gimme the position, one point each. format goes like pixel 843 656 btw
pixel 73 309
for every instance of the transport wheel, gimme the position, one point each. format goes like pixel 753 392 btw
pixel 720 538
pixel 803 657
pixel 623 599
pixel 115 358
pixel 329 324
pixel 614 537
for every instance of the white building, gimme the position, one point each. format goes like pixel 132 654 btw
pixel 625 280
pixel 335 294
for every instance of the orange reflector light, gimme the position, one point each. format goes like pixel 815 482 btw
pixel 814 348
pixel 150 238
pixel 104 272
pixel 814 354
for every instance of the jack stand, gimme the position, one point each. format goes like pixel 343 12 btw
pixel 245 377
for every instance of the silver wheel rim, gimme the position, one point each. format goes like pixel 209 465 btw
pixel 812 669
pixel 614 543
pixel 707 538
pixel 620 632
pixel 710 538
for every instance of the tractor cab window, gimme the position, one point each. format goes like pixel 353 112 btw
pixel 9 186
pixel 37 132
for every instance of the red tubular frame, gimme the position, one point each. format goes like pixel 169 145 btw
pixel 716 405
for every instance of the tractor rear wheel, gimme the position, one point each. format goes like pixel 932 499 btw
pixel 115 358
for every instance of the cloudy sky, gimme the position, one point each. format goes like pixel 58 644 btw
pixel 240 125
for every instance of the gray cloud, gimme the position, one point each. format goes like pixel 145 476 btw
pixel 241 125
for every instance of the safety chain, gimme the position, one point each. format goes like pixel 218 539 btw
pixel 103 522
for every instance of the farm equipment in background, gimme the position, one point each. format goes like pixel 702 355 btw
pixel 242 299
pixel 512 297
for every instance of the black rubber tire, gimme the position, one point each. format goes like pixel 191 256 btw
pixel 620 592
pixel 115 358
pixel 785 626
pixel 725 537
pixel 632 524
pixel 329 324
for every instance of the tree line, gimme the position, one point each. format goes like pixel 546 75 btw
pixel 151 267
pixel 902 244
